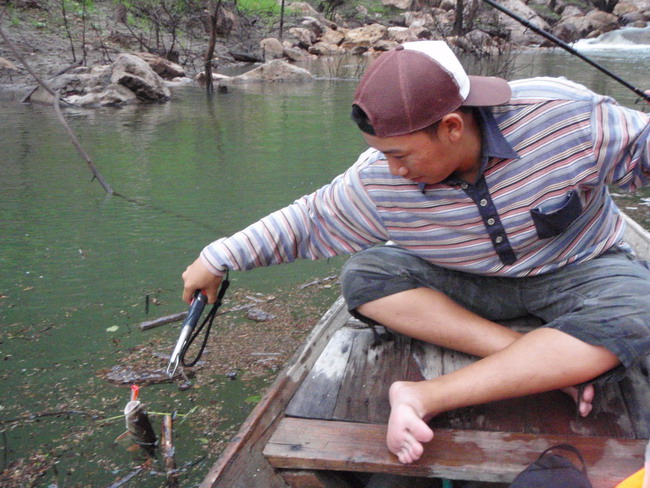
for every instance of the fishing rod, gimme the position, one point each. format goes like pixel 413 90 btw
pixel 568 48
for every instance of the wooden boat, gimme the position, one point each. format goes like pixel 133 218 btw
pixel 323 421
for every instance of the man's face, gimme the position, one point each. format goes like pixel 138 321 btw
pixel 421 156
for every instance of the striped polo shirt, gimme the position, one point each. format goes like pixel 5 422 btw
pixel 540 202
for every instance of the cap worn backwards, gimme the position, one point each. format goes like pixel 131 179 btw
pixel 418 83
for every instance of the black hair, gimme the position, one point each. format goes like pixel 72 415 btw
pixel 361 119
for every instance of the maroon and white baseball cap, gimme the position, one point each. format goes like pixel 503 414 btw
pixel 418 83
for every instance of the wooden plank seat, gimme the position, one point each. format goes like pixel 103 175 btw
pixel 337 418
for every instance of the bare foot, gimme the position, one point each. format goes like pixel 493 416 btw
pixel 406 429
pixel 585 403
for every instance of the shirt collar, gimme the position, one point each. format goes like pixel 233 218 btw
pixel 495 144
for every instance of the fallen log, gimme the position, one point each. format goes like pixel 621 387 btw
pixel 177 317
pixel 167 319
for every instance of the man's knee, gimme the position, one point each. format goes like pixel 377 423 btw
pixel 375 273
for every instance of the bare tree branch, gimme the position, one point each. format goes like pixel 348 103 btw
pixel 57 109
pixel 80 149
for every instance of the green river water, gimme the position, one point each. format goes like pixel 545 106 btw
pixel 77 265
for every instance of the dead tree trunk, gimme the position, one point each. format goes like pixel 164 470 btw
pixel 281 20
pixel 214 12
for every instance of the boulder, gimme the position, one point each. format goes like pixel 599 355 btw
pixel 276 70
pixel 128 80
pixel 364 36
pixel 135 74
pixel 331 36
pixel 272 48
pixel 631 18
pixel 112 95
pixel 400 4
pixel 304 37
pixel 520 34
pixel 294 53
pixel 164 68
pixel 593 23
pixel 303 8
pixel 402 34
pixel 314 25
pixel 358 50
pixel 216 77
pixel 479 40
pixel 622 8
pixel 418 19
pixel 565 31
pixel 385 45
pixel 602 18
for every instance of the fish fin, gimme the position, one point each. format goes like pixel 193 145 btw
pixel 133 448
pixel 122 436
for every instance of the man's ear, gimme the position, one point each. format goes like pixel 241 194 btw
pixel 451 127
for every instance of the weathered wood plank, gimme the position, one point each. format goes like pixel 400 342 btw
pixel 453 454
pixel 313 479
pixel 426 361
pixel 638 238
pixel 359 391
pixel 317 395
pixel 363 396
pixel 242 464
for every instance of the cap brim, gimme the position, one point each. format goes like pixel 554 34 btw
pixel 487 91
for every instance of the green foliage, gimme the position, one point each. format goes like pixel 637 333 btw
pixel 379 9
pixel 267 7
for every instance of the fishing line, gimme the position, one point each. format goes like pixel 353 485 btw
pixel 209 319
pixel 568 48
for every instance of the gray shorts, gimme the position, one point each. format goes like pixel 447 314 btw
pixel 604 302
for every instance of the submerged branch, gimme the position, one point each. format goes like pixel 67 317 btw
pixel 57 109
pixel 167 449
pixel 79 147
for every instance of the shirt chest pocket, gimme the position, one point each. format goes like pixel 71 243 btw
pixel 551 222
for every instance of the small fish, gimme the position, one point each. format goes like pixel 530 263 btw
pixel 138 425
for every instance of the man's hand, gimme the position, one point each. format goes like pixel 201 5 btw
pixel 198 277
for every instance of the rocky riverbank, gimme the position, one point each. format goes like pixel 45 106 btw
pixel 50 46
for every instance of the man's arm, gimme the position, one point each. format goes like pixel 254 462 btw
pixel 622 145
pixel 197 276
pixel 337 219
